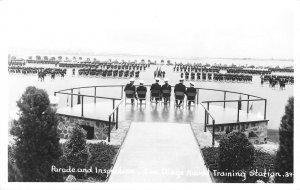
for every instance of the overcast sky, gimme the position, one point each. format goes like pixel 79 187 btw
pixel 212 28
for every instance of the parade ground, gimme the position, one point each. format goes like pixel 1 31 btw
pixel 276 98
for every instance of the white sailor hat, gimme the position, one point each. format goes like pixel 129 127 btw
pixel 166 79
pixel 192 83
pixel 132 80
pixel 142 82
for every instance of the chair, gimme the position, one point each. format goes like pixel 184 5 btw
pixel 168 93
pixel 129 94
pixel 190 97
pixel 141 95
pixel 179 99
pixel 155 94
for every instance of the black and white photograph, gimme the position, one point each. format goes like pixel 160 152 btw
pixel 102 93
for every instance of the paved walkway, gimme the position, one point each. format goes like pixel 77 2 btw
pixel 159 152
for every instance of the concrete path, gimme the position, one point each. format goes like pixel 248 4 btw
pixel 159 152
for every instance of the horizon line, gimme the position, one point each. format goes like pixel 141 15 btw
pixel 92 53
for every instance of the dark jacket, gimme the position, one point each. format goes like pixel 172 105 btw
pixel 155 86
pixel 166 87
pixel 130 87
pixel 141 89
pixel 191 90
pixel 180 88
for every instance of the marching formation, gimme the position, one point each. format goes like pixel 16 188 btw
pixel 207 76
pixel 96 69
pixel 159 73
pixel 249 71
pixel 120 70
pixel 204 73
pixel 15 64
pixel 132 69
pixel 232 77
pixel 194 68
pixel 273 80
pixel 109 73
pixel 40 71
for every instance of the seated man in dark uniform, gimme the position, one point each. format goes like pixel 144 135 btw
pixel 191 93
pixel 141 91
pixel 155 90
pixel 130 90
pixel 166 91
pixel 180 87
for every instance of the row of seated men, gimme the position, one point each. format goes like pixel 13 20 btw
pixel 159 92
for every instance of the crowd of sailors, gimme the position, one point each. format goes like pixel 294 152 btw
pixel 77 65
pixel 160 93
pixel 40 71
pixel 104 69
pixel 194 68
pixel 114 70
pixel 227 77
pixel 16 64
pixel 274 80
pixel 249 71
pixel 158 73
pixel 43 61
pixel 107 65
pixel 219 77
pixel 285 70
pixel 130 69
pixel 108 73
pixel 230 69
pixel 86 64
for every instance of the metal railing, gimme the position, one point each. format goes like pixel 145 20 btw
pixel 207 114
pixel 257 98
pixel 115 109
pixel 239 101
pixel 112 114
pixel 81 96
pixel 238 105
